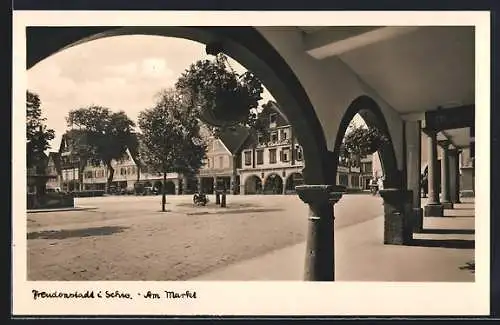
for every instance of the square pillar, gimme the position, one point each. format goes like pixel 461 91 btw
pixel 398 215
pixel 414 166
pixel 455 175
pixel 232 184
pixel 200 185
pixel 445 176
pixel 177 186
pixel 320 256
pixel 184 185
pixel 433 207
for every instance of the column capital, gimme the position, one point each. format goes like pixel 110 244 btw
pixel 445 144
pixel 319 194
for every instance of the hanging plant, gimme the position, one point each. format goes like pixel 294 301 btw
pixel 222 97
pixel 360 142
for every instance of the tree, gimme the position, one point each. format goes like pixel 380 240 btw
pixel 37 133
pixel 170 140
pixel 220 96
pixel 359 142
pixel 107 135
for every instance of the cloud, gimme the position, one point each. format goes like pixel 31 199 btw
pixel 122 73
pixel 128 69
pixel 155 68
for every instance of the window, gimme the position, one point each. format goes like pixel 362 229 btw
pixel 272 119
pixel 248 158
pixel 274 137
pixel 354 181
pixel 343 179
pixel 123 171
pixel 88 174
pixel 283 135
pixel 260 139
pixel 298 150
pixel 368 167
pixel 260 157
pixel 285 154
pixel 272 156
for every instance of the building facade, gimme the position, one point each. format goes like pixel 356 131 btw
pixel 235 162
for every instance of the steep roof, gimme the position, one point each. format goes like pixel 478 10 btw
pixel 234 137
pixel 56 158
pixel 272 107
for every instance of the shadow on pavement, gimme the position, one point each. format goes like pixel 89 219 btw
pixel 85 232
pixel 448 231
pixel 459 216
pixel 444 243
pixel 233 212
pixel 230 205
pixel 471 266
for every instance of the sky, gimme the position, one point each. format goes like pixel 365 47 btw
pixel 121 73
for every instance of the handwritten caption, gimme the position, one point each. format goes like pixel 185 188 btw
pixel 116 294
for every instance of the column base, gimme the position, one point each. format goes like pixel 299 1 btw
pixel 396 229
pixel 398 215
pixel 418 222
pixel 447 205
pixel 433 210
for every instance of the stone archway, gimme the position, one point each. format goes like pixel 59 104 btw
pixel 369 110
pixel 294 179
pixel 273 184
pixel 254 51
pixel 253 185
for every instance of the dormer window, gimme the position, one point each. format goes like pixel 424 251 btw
pixel 273 119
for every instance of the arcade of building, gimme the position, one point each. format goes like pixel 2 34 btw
pixel 410 82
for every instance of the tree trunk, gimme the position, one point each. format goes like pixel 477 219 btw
pixel 164 193
pixel 111 173
pixel 138 173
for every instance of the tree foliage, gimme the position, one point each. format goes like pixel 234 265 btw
pixel 37 133
pixel 359 142
pixel 170 140
pixel 221 97
pixel 106 134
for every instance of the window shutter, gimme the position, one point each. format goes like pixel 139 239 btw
pixel 281 155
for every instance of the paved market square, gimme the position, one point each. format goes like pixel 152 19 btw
pixel 256 237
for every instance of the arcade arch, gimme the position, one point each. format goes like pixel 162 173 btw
pixel 273 184
pixel 253 185
pixel 370 112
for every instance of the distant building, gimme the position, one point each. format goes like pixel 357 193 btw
pixel 237 161
pixel 273 166
pixel 220 169
pixel 53 169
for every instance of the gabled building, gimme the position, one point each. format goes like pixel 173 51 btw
pixel 220 169
pixel 70 161
pixel 54 170
pixel 272 163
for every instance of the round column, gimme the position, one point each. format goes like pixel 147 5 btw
pixel 320 256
